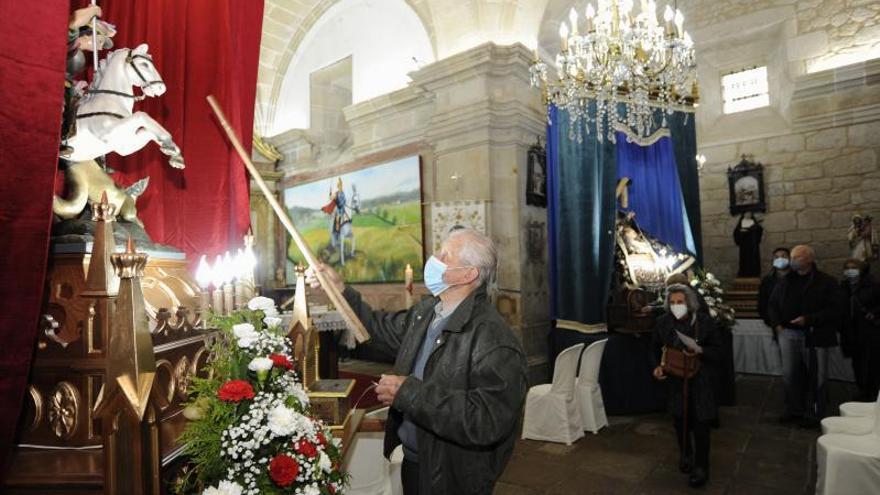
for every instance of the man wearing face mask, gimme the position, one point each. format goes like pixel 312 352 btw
pixel 685 327
pixel 778 271
pixel 459 380
pixel 805 312
pixel 860 338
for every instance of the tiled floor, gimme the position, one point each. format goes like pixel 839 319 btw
pixel 751 453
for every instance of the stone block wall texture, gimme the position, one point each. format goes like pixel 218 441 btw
pixel 814 182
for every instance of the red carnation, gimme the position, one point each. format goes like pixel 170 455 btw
pixel 307 449
pixel 280 361
pixel 331 489
pixel 283 469
pixel 235 391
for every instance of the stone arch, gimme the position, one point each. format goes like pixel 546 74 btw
pixel 297 33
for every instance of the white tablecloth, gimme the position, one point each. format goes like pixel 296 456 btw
pixel 754 351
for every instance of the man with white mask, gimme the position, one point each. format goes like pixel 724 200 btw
pixel 778 271
pixel 805 311
pixel 459 379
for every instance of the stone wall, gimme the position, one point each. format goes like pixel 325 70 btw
pixel 818 171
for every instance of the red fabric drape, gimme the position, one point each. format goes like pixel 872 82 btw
pixel 200 47
pixel 34 40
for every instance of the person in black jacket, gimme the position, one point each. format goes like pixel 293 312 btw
pixel 860 338
pixel 683 317
pixel 779 269
pixel 805 312
pixel 459 381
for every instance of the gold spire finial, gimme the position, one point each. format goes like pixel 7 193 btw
pixel 131 362
pixel 101 281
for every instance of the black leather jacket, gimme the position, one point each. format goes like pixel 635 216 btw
pixel 819 302
pixel 467 407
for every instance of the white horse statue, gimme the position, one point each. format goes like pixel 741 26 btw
pixel 337 239
pixel 104 119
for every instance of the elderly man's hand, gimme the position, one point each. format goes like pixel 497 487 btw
pixel 330 275
pixel 388 387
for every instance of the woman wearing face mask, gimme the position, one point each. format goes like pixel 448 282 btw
pixel 686 328
pixel 860 337
pixel 778 271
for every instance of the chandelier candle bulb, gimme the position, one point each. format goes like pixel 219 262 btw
pixel 590 14
pixel 573 18
pixel 563 33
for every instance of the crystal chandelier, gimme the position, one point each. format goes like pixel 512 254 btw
pixel 628 64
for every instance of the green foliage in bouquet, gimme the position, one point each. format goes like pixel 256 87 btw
pixel 250 429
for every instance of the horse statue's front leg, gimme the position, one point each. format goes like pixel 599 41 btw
pixel 142 123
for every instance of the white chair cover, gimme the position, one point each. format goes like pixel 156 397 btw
pixel 370 471
pixel 396 466
pixel 588 392
pixel 552 413
pixel 850 426
pixel 859 409
pixel 849 464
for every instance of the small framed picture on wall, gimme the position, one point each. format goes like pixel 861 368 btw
pixel 746 185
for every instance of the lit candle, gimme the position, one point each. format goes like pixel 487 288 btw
pixel 408 284
pixel 250 265
pixel 203 278
pixel 573 19
pixel 226 268
pixel 217 282
pixel 240 279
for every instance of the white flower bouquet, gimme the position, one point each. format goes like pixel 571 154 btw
pixel 250 431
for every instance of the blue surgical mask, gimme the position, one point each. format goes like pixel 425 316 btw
pixel 851 273
pixel 434 270
pixel 780 263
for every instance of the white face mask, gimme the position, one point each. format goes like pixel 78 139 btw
pixel 678 310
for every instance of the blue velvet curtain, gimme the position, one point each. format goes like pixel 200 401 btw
pixel 654 191
pixel 581 203
pixel 582 177
pixel 684 140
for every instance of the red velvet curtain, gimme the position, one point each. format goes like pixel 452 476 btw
pixel 200 47
pixel 33 36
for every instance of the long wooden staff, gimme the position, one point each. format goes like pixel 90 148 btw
pixel 333 293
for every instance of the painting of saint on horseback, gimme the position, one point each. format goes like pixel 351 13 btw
pixel 366 223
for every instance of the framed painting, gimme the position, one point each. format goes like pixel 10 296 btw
pixel 366 223
pixel 536 176
pixel 746 184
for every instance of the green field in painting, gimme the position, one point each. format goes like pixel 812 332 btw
pixel 387 237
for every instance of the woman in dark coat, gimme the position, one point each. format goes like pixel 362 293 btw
pixel 860 335
pixel 683 316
